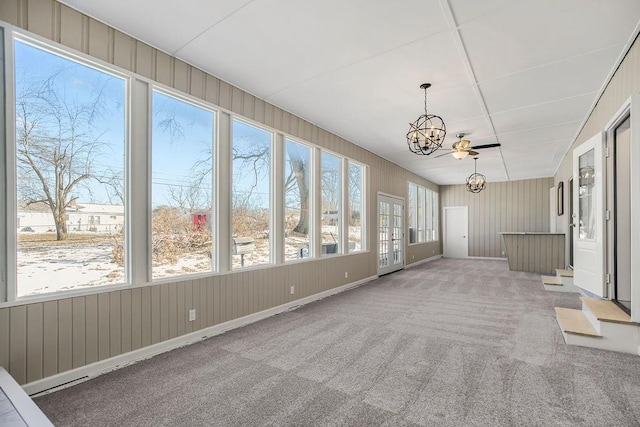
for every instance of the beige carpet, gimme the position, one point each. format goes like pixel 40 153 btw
pixel 450 343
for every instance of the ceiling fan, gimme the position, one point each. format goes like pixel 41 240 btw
pixel 461 148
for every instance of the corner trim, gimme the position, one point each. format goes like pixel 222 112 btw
pixel 422 261
pixel 87 372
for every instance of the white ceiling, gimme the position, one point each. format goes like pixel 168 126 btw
pixel 522 73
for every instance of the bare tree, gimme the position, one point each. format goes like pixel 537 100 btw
pixel 56 144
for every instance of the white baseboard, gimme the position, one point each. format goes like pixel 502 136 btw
pixel 488 258
pixel 422 261
pixel 84 373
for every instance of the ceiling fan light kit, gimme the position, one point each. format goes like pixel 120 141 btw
pixel 427 133
pixel 476 182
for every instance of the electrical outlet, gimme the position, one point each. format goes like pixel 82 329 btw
pixel 292 290
pixel 413 257
pixel 502 253
pixel 346 275
pixel 192 315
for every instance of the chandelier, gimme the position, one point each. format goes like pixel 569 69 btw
pixel 427 133
pixel 476 182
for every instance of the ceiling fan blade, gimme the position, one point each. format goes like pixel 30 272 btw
pixel 480 147
pixel 464 144
pixel 473 153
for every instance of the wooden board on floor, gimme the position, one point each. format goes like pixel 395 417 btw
pixel 575 322
pixel 564 273
pixel 550 280
pixel 607 311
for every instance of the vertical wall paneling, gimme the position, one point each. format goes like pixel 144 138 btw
pixel 125 325
pixel 506 206
pixel 114 323
pixel 78 329
pixel 181 313
pixel 18 344
pixel 164 312
pixel 91 328
pixel 136 318
pixel 65 331
pixel 50 339
pixel 4 337
pixel 146 316
pixel 34 342
pixel 173 310
pixel 155 314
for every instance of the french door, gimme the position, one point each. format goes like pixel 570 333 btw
pixel 588 220
pixel 390 234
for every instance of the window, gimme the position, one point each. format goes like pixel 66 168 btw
pixel 251 195
pixel 423 214
pixel 70 158
pixel 181 187
pixel 413 218
pixel 331 177
pixel 356 206
pixel 297 200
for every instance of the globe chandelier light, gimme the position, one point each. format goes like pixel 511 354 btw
pixel 427 133
pixel 476 182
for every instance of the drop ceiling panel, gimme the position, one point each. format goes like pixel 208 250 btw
pixel 564 79
pixel 160 23
pixel 551 113
pixel 269 46
pixel 532 137
pixel 533 33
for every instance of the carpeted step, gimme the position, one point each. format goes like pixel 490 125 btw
pixel 550 280
pixel 564 273
pixel 607 311
pixel 575 322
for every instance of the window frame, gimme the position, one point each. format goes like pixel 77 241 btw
pixel 188 99
pixel 430 208
pixel 9 203
pixel 363 205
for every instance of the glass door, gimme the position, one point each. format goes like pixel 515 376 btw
pixel 390 234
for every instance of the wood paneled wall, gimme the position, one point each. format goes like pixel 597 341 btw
pixel 502 206
pixel 624 83
pixel 537 253
pixel 39 340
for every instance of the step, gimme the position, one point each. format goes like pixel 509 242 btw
pixel 564 273
pixel 550 280
pixel 607 311
pixel 575 322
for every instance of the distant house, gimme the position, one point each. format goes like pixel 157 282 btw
pixel 81 217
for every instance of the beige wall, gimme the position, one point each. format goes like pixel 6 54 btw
pixel 502 206
pixel 624 82
pixel 42 339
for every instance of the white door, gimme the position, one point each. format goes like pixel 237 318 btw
pixel 588 202
pixel 391 234
pixel 456 229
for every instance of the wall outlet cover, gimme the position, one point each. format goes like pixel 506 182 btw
pixel 292 290
pixel 192 315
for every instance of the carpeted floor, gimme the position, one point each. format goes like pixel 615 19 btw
pixel 450 342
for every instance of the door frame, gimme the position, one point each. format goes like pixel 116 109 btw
pixel 589 269
pixel 404 220
pixel 631 108
pixel 444 228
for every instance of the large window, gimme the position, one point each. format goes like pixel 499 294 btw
pixel 251 195
pixel 297 200
pixel 356 206
pixel 182 183
pixel 70 159
pixel 423 214
pixel 331 192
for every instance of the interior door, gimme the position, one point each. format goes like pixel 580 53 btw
pixel 588 199
pixel 391 234
pixel 456 230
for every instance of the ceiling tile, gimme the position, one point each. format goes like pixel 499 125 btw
pixel 573 77
pixel 533 33
pixel 166 25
